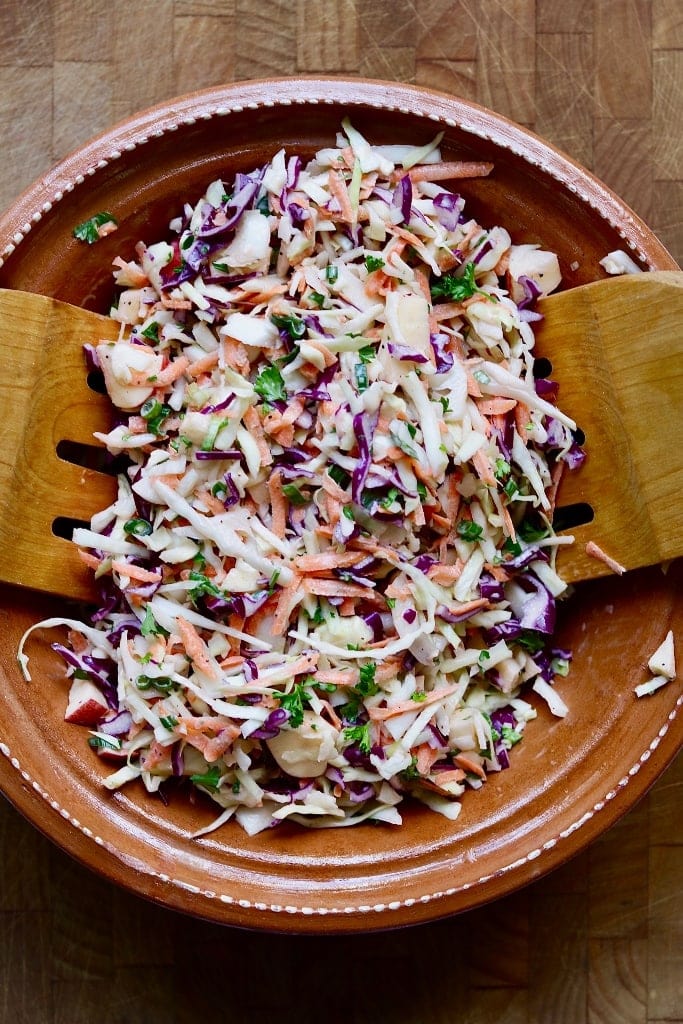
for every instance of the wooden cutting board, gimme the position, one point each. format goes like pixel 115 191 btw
pixel 601 939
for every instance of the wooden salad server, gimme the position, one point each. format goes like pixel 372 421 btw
pixel 615 346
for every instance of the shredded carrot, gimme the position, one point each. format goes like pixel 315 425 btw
pixel 339 190
pixel 135 572
pixel 253 424
pixel 593 550
pixel 445 574
pixel 469 765
pixel 447 171
pixel 522 419
pixel 206 362
pixel 484 467
pixel 337 588
pixel 287 602
pixel 434 697
pixel 326 561
pixel 441 778
pixel 426 757
pixel 92 561
pixel 278 504
pixel 195 648
pixel 495 406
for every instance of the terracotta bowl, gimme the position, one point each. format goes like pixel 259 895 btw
pixel 570 779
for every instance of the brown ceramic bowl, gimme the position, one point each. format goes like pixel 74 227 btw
pixel 570 779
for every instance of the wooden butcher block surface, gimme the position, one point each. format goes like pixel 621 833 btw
pixel 598 941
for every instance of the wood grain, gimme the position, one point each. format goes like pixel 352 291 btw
pixel 599 940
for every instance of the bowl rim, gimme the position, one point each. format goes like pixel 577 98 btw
pixel 72 172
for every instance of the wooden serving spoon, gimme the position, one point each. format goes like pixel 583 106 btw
pixel 615 347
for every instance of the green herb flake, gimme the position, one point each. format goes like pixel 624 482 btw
pixel 295 702
pixel 359 734
pixel 151 331
pixel 270 385
pixel 347 510
pixel 203 587
pixel 100 743
pixel 367 687
pixel 272 583
pixel 209 780
pixel 317 298
pixel 340 476
pixel 511 489
pixel 373 263
pixel 455 289
pixel 510 735
pixel 367 353
pixel 469 530
pixel 294 495
pixel 501 469
pixel 149 626
pixel 294 325
pixel 89 230
pixel 560 666
pixel 419 696
pixel 168 721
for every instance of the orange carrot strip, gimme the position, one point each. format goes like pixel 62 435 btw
pixel 326 561
pixel 469 765
pixel 521 419
pixel 434 697
pixel 452 170
pixel 253 425
pixel 482 465
pixel 278 504
pixel 195 647
pixel 206 362
pixel 136 572
pixel 334 490
pixel 287 602
pixel 336 588
pixel 593 550
pixel 92 561
pixel 339 190
pixel 495 406
pixel 450 775
pixel 445 574
pixel 426 756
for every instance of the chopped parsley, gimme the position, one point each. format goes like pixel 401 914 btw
pixel 469 530
pixel 89 230
pixel 455 289
pixel 270 385
pixel 373 263
pixel 151 331
pixel 295 702
pixel 359 734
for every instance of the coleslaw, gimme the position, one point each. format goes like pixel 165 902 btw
pixel 328 577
